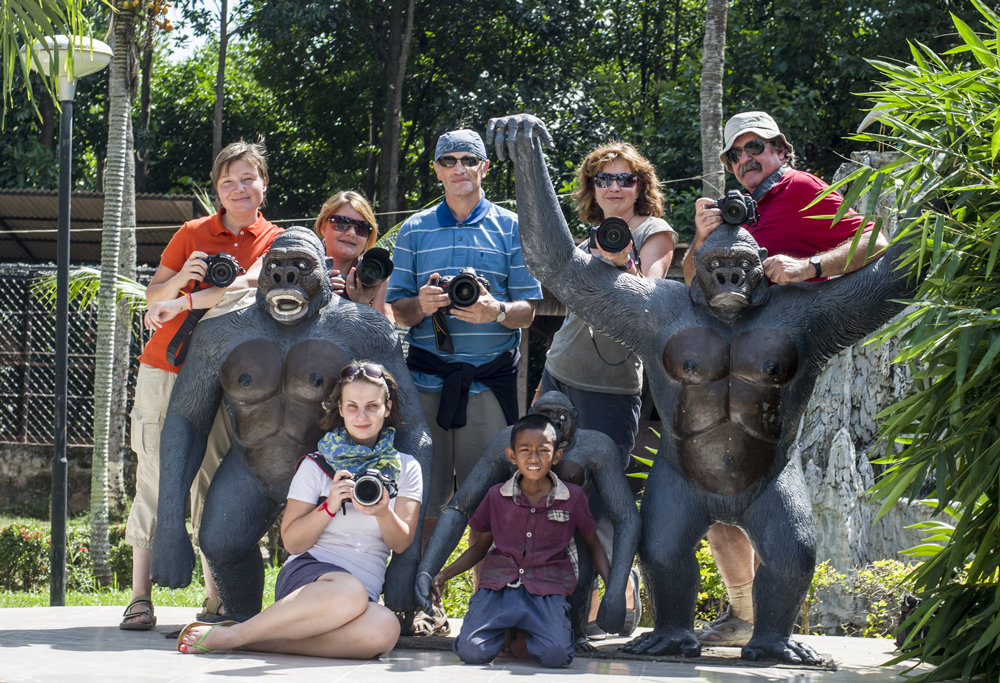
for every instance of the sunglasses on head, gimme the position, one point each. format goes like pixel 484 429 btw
pixel 468 162
pixel 355 369
pixel 752 147
pixel 624 180
pixel 342 223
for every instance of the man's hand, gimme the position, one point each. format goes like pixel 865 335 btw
pixel 485 310
pixel 431 297
pixel 707 218
pixel 781 269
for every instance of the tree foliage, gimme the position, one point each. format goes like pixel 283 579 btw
pixel 941 111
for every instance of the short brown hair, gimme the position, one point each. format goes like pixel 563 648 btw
pixel 332 418
pixel 356 201
pixel 254 153
pixel 649 199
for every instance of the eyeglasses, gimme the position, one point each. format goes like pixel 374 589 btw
pixel 341 223
pixel 468 162
pixel 355 369
pixel 624 180
pixel 753 148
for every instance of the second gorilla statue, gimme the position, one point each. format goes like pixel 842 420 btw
pixel 273 363
pixel 731 364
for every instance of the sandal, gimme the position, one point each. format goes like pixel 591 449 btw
pixel 138 608
pixel 435 624
pixel 182 647
pixel 210 611
pixel 726 631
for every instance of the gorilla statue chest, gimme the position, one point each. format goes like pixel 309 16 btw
pixel 727 417
pixel 276 389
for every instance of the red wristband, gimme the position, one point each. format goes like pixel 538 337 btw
pixel 325 509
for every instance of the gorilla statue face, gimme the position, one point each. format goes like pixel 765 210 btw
pixel 563 414
pixel 730 273
pixel 293 283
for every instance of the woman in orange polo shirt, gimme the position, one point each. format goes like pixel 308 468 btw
pixel 239 175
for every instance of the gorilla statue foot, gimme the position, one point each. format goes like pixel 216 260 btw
pixel 781 648
pixel 665 640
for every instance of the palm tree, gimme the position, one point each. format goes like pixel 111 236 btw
pixel 713 64
pixel 25 22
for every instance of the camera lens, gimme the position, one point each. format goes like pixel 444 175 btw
pixel 734 211
pixel 368 490
pixel 376 265
pixel 463 290
pixel 613 235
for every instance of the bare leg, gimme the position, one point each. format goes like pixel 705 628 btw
pixel 310 621
pixel 211 590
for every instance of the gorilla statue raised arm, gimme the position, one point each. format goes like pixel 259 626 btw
pixel 731 364
pixel 273 364
pixel 590 459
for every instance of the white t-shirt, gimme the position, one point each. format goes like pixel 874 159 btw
pixel 353 540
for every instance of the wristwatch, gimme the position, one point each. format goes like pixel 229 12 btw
pixel 502 315
pixel 816 264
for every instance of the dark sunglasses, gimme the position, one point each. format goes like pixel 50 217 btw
pixel 624 180
pixel 340 223
pixel 468 162
pixel 753 148
pixel 355 369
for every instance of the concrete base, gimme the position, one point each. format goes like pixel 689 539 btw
pixel 85 644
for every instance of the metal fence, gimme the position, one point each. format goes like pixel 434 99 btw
pixel 27 362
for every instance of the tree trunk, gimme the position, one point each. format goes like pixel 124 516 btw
pixel 142 151
pixel 400 35
pixel 114 182
pixel 220 79
pixel 713 65
pixel 117 442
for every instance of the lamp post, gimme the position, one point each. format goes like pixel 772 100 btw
pixel 87 56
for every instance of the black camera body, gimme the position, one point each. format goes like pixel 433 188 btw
pixel 374 267
pixel 463 289
pixel 737 208
pixel 612 235
pixel 221 269
pixel 370 485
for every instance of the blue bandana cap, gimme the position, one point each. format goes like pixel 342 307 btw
pixel 464 140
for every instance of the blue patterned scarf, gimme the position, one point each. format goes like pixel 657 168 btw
pixel 340 450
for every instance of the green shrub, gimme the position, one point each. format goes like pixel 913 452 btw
pixel 24 557
pixel 883 584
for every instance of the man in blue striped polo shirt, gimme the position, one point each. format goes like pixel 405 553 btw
pixel 463 358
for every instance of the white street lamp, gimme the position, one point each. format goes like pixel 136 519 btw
pixel 87 56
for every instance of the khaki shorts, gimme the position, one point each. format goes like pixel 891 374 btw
pixel 152 395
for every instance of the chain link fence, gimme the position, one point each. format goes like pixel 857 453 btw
pixel 28 362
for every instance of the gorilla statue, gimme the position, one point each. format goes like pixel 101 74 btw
pixel 731 364
pixel 590 459
pixel 273 363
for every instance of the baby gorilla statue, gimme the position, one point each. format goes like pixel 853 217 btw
pixel 731 363
pixel 272 364
pixel 590 459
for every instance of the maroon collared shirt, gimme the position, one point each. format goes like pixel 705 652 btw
pixel 530 542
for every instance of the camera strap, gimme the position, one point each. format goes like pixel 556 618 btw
pixel 442 335
pixel 178 347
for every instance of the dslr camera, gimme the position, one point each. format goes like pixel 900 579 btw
pixel 612 235
pixel 221 269
pixel 370 485
pixel 737 208
pixel 463 289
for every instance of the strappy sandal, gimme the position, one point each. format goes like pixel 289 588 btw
pixel 140 607
pixel 210 610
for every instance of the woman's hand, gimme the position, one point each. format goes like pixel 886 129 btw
pixel 341 489
pixel 161 311
pixel 193 269
pixel 337 282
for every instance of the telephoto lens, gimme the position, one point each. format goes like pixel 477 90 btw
pixel 463 289
pixel 613 235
